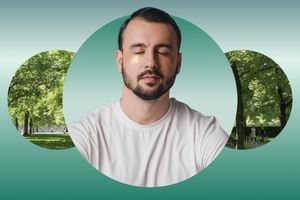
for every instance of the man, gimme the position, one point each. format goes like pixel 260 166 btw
pixel 146 138
pixel 253 134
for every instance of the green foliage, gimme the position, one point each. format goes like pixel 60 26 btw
pixel 266 93
pixel 37 88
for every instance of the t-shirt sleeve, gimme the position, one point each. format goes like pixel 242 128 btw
pixel 209 142
pixel 80 138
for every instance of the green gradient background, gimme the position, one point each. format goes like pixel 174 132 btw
pixel 93 80
pixel 269 172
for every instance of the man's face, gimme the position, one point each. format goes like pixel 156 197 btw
pixel 149 60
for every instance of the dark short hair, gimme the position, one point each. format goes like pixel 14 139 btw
pixel 150 14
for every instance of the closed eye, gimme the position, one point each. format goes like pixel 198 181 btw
pixel 138 52
pixel 138 48
pixel 164 49
pixel 164 52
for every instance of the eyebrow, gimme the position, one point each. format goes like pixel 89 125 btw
pixel 165 45
pixel 136 45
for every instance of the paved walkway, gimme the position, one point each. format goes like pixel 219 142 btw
pixel 250 145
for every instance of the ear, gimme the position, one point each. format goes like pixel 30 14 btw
pixel 119 59
pixel 179 59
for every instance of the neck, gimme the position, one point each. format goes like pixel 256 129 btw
pixel 144 111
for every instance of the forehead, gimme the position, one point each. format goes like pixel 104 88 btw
pixel 148 33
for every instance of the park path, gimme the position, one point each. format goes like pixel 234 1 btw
pixel 250 145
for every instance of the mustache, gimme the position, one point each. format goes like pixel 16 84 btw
pixel 154 72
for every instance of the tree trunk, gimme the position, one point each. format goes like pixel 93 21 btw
pixel 17 123
pixel 37 128
pixel 282 107
pixel 239 120
pixel 26 123
pixel 30 126
pixel 284 102
pixel 282 115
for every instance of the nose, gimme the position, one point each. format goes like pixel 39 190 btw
pixel 150 59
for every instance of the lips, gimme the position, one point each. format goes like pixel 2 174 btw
pixel 150 77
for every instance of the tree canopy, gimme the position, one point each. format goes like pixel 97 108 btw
pixel 264 92
pixel 35 92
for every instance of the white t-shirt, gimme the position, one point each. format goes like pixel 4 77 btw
pixel 170 150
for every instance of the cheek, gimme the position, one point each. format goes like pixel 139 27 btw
pixel 132 60
pixel 169 67
pixel 131 66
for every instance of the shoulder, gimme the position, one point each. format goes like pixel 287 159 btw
pixel 92 122
pixel 96 116
pixel 84 131
pixel 190 115
pixel 203 125
pixel 208 136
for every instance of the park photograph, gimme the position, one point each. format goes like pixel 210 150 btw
pixel 35 99
pixel 264 99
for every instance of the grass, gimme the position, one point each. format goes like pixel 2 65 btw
pixel 251 145
pixel 51 141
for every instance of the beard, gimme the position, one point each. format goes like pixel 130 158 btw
pixel 142 92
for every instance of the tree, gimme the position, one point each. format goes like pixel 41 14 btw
pixel 35 92
pixel 239 121
pixel 264 92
